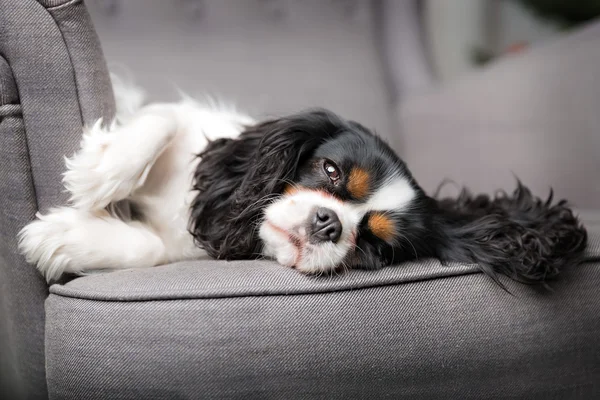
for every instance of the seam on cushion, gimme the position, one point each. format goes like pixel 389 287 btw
pixel 31 177
pixel 10 110
pixel 142 296
pixel 68 3
pixel 274 294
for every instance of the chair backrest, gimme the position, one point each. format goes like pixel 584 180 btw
pixel 53 79
pixel 267 58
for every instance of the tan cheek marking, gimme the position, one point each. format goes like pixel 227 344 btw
pixel 289 189
pixel 358 183
pixel 382 227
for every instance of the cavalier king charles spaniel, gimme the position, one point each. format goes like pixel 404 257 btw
pixel 312 191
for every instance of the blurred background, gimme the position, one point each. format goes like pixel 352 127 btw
pixel 476 91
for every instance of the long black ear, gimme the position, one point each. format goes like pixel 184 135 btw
pixel 528 239
pixel 237 177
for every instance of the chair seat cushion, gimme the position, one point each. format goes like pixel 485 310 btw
pixel 215 329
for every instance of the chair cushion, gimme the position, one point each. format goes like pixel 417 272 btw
pixel 216 329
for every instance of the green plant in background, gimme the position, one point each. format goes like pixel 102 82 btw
pixel 568 13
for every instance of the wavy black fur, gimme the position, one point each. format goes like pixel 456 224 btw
pixel 521 236
pixel 236 178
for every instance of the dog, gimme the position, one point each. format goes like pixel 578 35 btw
pixel 313 191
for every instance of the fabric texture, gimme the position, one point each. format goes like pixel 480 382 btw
pixel 22 290
pixel 52 79
pixel 213 329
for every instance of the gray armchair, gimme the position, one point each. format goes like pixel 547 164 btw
pixel 213 329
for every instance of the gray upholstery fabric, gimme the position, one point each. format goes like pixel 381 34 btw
pixel 22 290
pixel 237 278
pixel 92 82
pixel 52 57
pixel 534 115
pixel 30 33
pixel 212 329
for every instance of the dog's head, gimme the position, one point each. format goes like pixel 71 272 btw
pixel 317 193
pixel 312 191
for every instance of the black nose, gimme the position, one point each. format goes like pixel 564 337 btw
pixel 325 226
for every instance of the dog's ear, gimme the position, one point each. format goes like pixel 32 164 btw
pixel 528 239
pixel 282 146
pixel 236 178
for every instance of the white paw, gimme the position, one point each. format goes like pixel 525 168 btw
pixel 50 242
pixel 98 175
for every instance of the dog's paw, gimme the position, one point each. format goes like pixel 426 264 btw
pixel 98 175
pixel 50 242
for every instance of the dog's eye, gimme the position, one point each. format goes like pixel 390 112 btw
pixel 331 170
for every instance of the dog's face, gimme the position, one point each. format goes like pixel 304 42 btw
pixel 345 208
pixel 312 191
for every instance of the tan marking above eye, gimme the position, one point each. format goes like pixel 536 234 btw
pixel 358 183
pixel 382 226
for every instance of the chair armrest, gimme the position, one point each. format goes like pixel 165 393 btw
pixel 52 80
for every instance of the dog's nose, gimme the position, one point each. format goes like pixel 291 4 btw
pixel 325 226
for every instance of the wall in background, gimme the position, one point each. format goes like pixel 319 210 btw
pixel 268 57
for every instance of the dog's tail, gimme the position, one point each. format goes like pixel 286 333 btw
pixel 521 236
pixel 129 98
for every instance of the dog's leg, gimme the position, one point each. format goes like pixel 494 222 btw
pixel 112 163
pixel 69 240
